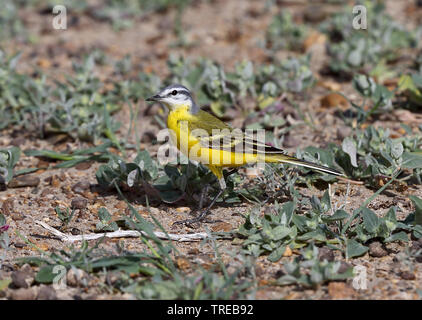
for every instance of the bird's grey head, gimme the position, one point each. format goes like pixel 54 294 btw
pixel 175 96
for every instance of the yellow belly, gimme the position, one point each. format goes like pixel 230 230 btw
pixel 190 146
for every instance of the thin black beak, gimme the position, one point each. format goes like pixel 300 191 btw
pixel 154 98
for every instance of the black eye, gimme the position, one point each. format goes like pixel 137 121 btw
pixel 174 92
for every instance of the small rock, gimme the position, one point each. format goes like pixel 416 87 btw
pixel 23 294
pixel 340 290
pixel 222 226
pixel 325 253
pixel 314 14
pixel 79 203
pixel 148 136
pixel 290 141
pixel 46 293
pixel 46 192
pixel 376 249
pixel 343 132
pixel 330 85
pixel 83 165
pixel 333 100
pixel 24 181
pixel 407 275
pixel 7 207
pixel 58 138
pixel 344 266
pixel 17 142
pixel 259 271
pixel 81 186
pixel 76 277
pixel 19 279
pixel 182 263
pixel 18 216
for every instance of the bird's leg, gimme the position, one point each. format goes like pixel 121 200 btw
pixel 202 215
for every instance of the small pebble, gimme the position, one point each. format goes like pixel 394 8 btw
pixel 76 277
pixel 23 294
pixel 46 293
pixel 79 203
pixel 19 279
pixel 325 253
pixel 24 181
pixel 81 186
pixel 407 275
pixel 376 249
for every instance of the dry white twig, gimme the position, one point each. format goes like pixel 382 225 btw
pixel 122 234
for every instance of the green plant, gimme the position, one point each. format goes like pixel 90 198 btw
pixel 355 50
pixel 379 97
pixel 78 106
pixel 11 25
pixel 170 183
pixel 98 153
pixel 284 33
pixel 106 223
pixel 8 160
pixel 65 216
pixel 309 271
pixel 371 154
pixel 4 238
pixel 303 221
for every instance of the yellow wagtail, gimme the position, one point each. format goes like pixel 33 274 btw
pixel 206 139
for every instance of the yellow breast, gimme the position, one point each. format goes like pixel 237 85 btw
pixel 178 124
pixel 179 121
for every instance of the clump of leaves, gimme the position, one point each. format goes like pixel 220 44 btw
pixel 304 221
pixel 284 33
pixel 11 25
pixel 371 154
pixel 106 223
pixel 78 106
pixel 283 227
pixel 353 50
pixel 309 271
pixel 8 159
pixel 65 215
pixel 377 96
pixel 411 86
pixel 4 237
pixel 98 153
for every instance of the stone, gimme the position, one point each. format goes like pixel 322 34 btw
pixel 376 249
pixel 24 181
pixel 79 203
pixel 46 293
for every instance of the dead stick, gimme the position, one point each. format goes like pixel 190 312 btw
pixel 122 234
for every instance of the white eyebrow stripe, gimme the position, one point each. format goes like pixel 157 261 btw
pixel 182 91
